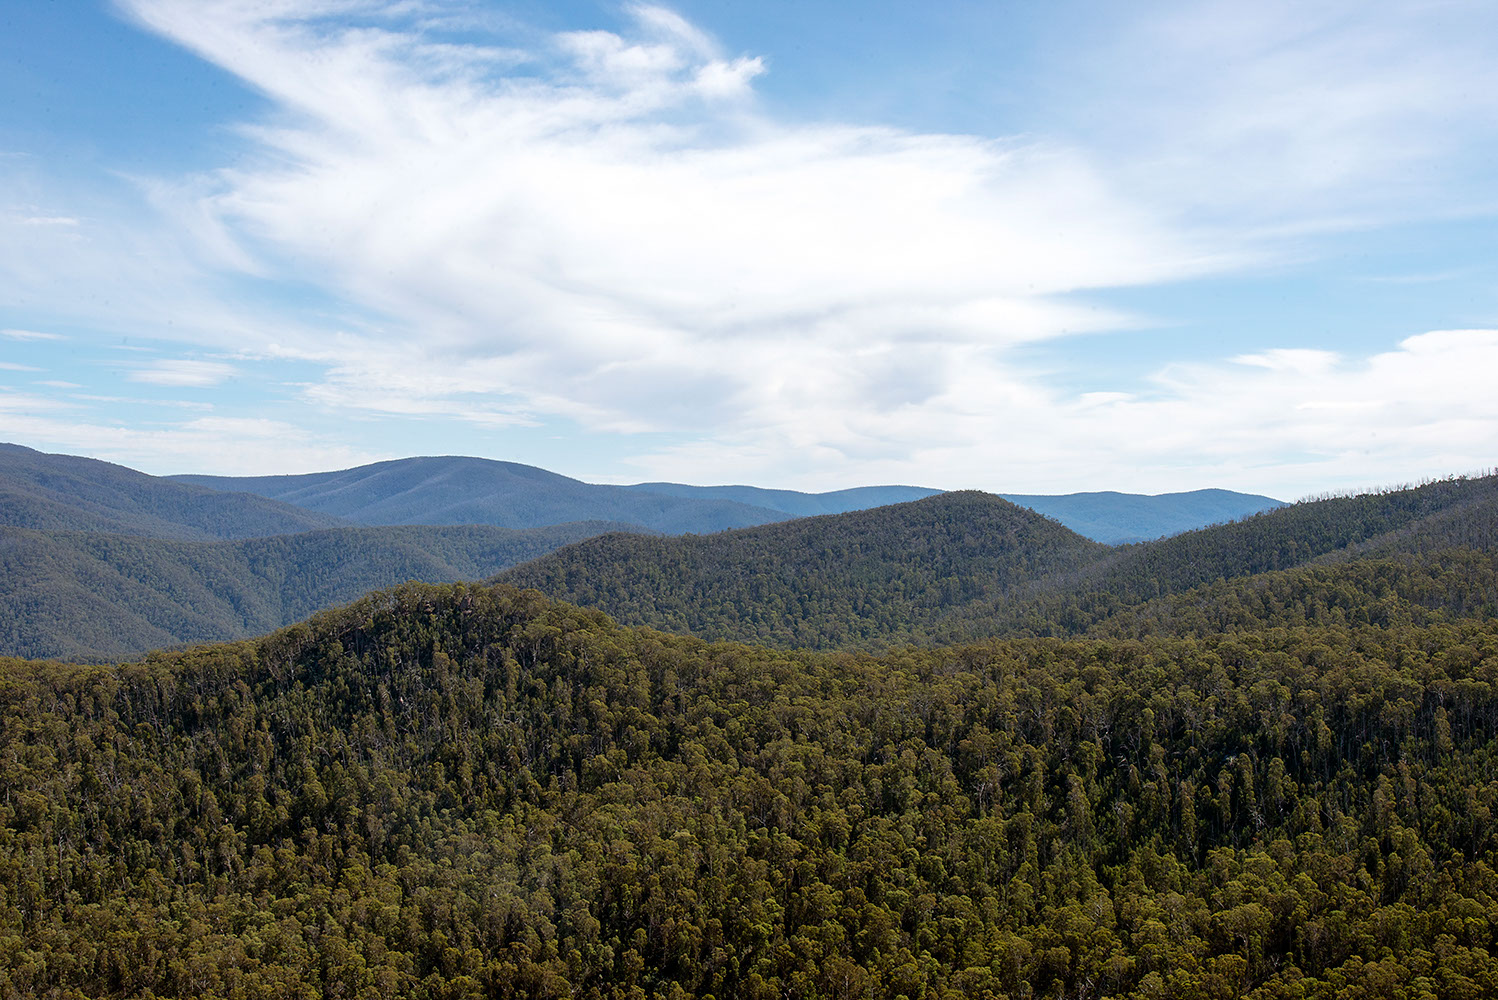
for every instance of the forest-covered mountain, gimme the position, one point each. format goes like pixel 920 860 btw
pixel 68 493
pixel 940 569
pixel 845 579
pixel 452 490
pixel 91 597
pixel 474 792
pixel 966 566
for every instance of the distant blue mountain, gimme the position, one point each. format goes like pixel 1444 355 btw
pixel 792 502
pixel 456 490
pixel 68 493
pixel 1109 517
pixel 1119 518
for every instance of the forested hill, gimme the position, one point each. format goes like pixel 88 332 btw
pixel 1294 535
pixel 959 566
pixel 860 577
pixel 453 490
pixel 91 597
pixel 1411 526
pixel 1413 589
pixel 67 493
pixel 470 792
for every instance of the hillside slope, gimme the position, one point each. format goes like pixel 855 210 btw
pixel 1459 514
pixel 452 490
pixel 89 597
pixel 67 493
pixel 865 576
pixel 472 792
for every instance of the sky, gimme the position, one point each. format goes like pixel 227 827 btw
pixel 1019 247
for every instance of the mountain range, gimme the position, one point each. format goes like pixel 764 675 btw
pixel 454 490
pixel 101 562
pixel 1119 518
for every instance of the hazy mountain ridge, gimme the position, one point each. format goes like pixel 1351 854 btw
pixel 457 490
pixel 794 502
pixel 49 492
pixel 1120 518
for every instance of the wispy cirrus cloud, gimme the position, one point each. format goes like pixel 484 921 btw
pixel 182 372
pixel 1288 117
pixel 624 216
pixel 30 335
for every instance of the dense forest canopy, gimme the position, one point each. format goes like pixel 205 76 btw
pixel 848 579
pixel 1258 761
pixel 465 791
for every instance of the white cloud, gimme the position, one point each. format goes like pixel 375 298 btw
pixel 628 234
pixel 1422 409
pixel 209 445
pixel 11 366
pixel 13 403
pixel 180 404
pixel 179 372
pixel 30 335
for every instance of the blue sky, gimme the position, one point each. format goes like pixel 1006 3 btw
pixel 1018 247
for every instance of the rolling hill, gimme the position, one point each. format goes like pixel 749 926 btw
pixel 841 579
pixel 1404 524
pixel 67 493
pixel 794 502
